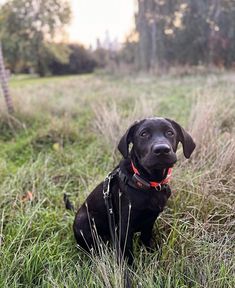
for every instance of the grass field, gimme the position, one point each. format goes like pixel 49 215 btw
pixel 62 139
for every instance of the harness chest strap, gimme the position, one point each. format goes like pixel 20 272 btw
pixel 108 202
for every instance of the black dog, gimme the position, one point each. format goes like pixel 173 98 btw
pixel 138 186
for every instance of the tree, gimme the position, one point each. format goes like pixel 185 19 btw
pixel 4 84
pixel 80 61
pixel 143 51
pixel 152 19
pixel 27 28
pixel 185 32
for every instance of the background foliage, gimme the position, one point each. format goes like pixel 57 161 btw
pixel 185 32
pixel 167 33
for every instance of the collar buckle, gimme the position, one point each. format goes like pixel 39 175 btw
pixel 158 187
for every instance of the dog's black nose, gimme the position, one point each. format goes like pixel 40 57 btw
pixel 161 149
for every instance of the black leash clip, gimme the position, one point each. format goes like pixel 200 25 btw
pixel 106 185
pixel 107 182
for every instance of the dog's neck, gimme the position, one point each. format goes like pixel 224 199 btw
pixel 153 175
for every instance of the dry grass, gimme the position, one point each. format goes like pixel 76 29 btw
pixel 111 121
pixel 206 182
pixel 85 116
pixel 212 125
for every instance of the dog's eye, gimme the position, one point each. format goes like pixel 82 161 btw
pixel 144 134
pixel 170 133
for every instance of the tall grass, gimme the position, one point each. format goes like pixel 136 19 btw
pixel 62 140
pixel 203 221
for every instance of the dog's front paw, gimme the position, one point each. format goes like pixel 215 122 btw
pixel 150 246
pixel 149 243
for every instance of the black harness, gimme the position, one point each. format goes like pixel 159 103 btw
pixel 135 182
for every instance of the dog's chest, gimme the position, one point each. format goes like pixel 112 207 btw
pixel 152 201
pixel 156 202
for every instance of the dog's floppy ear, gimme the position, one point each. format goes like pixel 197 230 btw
pixel 184 138
pixel 126 139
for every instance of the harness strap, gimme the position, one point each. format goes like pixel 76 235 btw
pixel 108 202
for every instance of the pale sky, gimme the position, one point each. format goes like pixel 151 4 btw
pixel 92 18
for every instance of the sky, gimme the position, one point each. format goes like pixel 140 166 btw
pixel 92 18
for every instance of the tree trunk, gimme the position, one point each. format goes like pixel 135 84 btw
pixel 154 60
pixel 4 84
pixel 144 36
pixel 214 17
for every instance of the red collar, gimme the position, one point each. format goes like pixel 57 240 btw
pixel 142 182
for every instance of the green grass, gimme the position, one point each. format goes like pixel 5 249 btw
pixel 55 143
pixel 23 80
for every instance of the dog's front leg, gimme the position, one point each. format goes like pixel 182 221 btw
pixel 125 247
pixel 146 233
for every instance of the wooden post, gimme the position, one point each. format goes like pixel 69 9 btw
pixel 4 84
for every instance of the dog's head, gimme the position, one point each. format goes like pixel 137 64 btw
pixel 155 142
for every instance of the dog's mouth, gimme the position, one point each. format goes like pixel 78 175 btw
pixel 153 163
pixel 163 165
